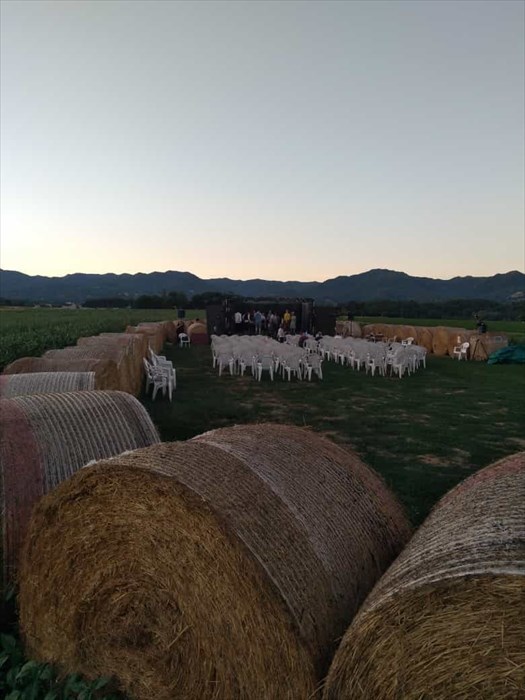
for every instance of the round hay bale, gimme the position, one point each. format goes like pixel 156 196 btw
pixel 348 329
pixel 446 620
pixel 44 439
pixel 440 339
pixel 404 332
pixel 223 567
pixel 155 336
pixel 424 337
pixel 198 333
pixel 100 351
pixel 105 371
pixel 135 346
pixel 457 336
pixel 45 383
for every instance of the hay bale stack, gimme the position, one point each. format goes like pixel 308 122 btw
pixel 441 337
pixel 424 337
pixel 198 333
pixel 45 383
pixel 378 328
pixel 348 329
pixel 446 620
pixel 99 351
pixel 482 345
pixel 44 439
pixel 223 567
pixel 105 371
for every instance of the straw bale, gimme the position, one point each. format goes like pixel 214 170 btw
pixel 482 345
pixel 446 620
pixel 441 337
pixel 424 337
pixel 105 371
pixel 155 336
pixel 457 336
pixel 136 347
pixel 198 333
pixel 348 329
pixel 45 438
pixel 385 329
pixel 45 383
pixel 403 332
pixel 224 567
pixel 100 351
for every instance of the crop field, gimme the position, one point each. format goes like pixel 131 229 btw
pixel 423 434
pixel 30 332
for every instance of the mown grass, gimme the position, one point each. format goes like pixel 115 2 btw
pixel 30 332
pixel 424 433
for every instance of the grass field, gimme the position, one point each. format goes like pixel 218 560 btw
pixel 514 329
pixel 424 433
pixel 30 332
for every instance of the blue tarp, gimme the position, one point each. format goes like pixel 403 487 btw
pixel 513 354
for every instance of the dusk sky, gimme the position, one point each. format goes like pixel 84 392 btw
pixel 283 140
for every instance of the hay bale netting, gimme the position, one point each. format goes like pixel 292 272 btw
pixel 482 345
pixel 44 439
pixel 198 333
pixel 447 619
pixel 100 351
pixel 424 337
pixel 45 383
pixel 223 567
pixel 105 371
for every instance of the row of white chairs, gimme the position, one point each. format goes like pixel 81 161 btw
pixel 261 354
pixel 160 374
pixel 398 358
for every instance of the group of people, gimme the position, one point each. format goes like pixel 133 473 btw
pixel 272 323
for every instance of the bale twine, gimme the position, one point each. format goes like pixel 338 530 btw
pixel 44 439
pixel 105 371
pixel 424 337
pixel 45 383
pixel 100 351
pixel 224 567
pixel 482 345
pixel 446 620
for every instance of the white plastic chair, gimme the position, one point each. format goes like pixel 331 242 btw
pixel 158 379
pixel 314 364
pixel 184 340
pixel 265 362
pixel 461 351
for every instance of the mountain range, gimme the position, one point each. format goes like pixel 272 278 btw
pixel 374 284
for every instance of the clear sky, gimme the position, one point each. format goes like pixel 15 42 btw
pixel 284 140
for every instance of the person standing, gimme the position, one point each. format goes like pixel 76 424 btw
pixel 258 322
pixel 293 323
pixel 286 319
pixel 238 322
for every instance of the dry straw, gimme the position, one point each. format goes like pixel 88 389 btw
pixel 45 383
pixel 224 567
pixel 447 619
pixel 101 351
pixel 424 337
pixel 44 439
pixel 105 371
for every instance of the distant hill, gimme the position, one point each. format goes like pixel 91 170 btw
pixel 366 286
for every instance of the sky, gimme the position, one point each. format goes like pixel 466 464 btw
pixel 283 140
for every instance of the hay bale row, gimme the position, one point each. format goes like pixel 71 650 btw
pixel 44 439
pixel 155 336
pixel 100 351
pixel 447 619
pixel 12 385
pixel 224 567
pixel 105 371
pixel 348 329
pixel 483 345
